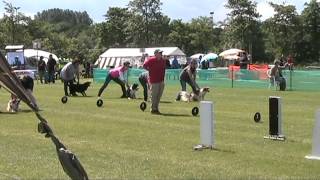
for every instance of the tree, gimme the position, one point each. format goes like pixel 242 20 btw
pixel 243 20
pixel 281 30
pixel 15 23
pixel 180 36
pixel 147 24
pixel 201 34
pixel 310 41
pixel 114 32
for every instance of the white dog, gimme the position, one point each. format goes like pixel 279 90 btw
pixel 187 97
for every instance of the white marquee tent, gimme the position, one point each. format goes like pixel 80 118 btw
pixel 114 57
pixel 28 53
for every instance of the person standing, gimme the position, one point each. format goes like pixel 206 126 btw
pixel 244 61
pixel 175 63
pixel 156 66
pixel 41 69
pixel 68 74
pixel 51 67
pixel 118 75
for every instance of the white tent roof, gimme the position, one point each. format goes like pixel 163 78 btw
pixel 115 56
pixel 137 52
pixel 37 53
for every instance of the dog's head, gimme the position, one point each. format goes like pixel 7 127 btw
pixel 205 89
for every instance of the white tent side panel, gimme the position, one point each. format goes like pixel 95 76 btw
pixel 114 57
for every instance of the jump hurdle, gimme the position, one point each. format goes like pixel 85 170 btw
pixel 206 126
pixel 315 154
pixel 275 119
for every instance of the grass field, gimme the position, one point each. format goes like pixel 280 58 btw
pixel 119 141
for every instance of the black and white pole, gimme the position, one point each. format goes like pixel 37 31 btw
pixel 206 126
pixel 275 119
pixel 315 154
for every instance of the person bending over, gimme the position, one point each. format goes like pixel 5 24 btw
pixel 118 75
pixel 188 76
pixel 144 81
pixel 68 73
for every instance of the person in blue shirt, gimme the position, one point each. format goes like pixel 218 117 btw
pixel 175 63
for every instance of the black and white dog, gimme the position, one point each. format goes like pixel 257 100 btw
pixel 131 91
pixel 187 97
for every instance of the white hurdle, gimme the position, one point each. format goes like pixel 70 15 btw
pixel 315 154
pixel 206 126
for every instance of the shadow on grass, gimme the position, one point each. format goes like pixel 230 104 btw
pixel 224 150
pixel 80 96
pixel 175 115
pixel 166 102
pixel 20 111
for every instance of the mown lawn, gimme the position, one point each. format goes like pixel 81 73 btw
pixel 119 141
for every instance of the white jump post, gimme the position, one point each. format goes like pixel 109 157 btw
pixel 315 154
pixel 206 126
pixel 275 119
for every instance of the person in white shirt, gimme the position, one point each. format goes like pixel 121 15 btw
pixel 68 74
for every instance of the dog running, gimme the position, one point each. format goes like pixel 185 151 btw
pixel 187 97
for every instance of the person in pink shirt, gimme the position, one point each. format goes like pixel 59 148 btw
pixel 118 75
pixel 156 66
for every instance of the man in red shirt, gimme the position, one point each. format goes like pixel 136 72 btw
pixel 156 66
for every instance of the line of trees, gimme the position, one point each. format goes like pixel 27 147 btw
pixel 142 24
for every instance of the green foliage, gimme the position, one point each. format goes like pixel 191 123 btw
pixel 282 30
pixel 148 25
pixel 114 32
pixel 311 28
pixel 242 24
pixel 68 17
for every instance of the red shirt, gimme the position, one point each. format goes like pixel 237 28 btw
pixel 156 68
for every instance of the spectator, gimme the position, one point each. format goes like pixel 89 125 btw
pixel 68 74
pixel 168 66
pixel 282 61
pixel 51 68
pixel 175 63
pixel 188 76
pixel 276 75
pixel 118 75
pixel 87 70
pixel 42 69
pixel 244 61
pixel 290 62
pixel 204 64
pixel 144 81
pixel 156 66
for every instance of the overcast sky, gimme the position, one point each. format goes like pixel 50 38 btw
pixel 175 9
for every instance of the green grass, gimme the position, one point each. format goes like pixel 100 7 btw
pixel 119 141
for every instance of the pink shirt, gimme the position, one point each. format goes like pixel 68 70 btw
pixel 156 68
pixel 118 72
